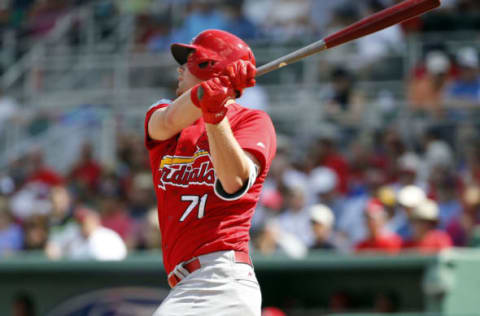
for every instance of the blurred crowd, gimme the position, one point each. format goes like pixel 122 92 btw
pixel 380 193
pixel 381 196
pixel 90 212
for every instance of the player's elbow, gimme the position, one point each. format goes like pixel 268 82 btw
pixel 232 186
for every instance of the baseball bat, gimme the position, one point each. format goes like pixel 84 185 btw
pixel 376 22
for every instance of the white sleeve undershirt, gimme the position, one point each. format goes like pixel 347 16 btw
pixel 253 173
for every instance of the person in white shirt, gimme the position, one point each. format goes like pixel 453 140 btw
pixel 90 240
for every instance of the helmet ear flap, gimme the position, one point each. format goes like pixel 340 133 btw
pixel 202 67
pixel 207 63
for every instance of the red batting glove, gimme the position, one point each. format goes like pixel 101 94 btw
pixel 241 74
pixel 210 96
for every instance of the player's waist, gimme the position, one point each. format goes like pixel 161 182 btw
pixel 185 268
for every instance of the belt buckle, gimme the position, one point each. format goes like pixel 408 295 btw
pixel 179 271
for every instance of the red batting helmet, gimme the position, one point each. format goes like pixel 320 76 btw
pixel 212 51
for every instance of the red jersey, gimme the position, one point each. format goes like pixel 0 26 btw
pixel 434 241
pixel 390 242
pixel 47 176
pixel 88 172
pixel 194 218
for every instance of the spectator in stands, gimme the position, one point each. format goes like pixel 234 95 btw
pixel 62 226
pixel 11 234
pixel 379 238
pixel 86 171
pixel 464 92
pixel 295 219
pixel 141 197
pixel 290 232
pixel 32 199
pixel 288 20
pixel 437 152
pixel 409 197
pixel 36 232
pixel 391 148
pixel 323 182
pixel 273 240
pixel 114 215
pixel 147 234
pixel 409 170
pixel 325 154
pixel 426 94
pixel 344 102
pixel 445 189
pixel 62 205
pixel 387 196
pixel 426 236
pixel 360 159
pixel 464 230
pixel 322 221
pixel 40 172
pixel 351 228
pixel 281 176
pixel 92 240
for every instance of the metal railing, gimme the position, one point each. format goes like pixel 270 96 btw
pixel 303 121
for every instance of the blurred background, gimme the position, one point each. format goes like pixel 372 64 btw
pixel 372 204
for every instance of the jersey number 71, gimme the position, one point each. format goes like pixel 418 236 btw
pixel 194 199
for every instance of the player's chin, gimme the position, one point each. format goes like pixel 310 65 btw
pixel 180 91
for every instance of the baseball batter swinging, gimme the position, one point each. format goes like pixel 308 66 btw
pixel 209 158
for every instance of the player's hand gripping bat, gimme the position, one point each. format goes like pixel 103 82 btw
pixel 371 24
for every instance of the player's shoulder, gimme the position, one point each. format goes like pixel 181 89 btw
pixel 159 103
pixel 243 111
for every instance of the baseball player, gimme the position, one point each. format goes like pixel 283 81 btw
pixel 209 158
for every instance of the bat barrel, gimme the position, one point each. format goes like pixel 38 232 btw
pixel 376 22
pixel 380 20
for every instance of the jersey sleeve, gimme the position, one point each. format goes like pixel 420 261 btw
pixel 149 142
pixel 255 133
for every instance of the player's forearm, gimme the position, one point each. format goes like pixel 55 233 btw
pixel 228 158
pixel 169 121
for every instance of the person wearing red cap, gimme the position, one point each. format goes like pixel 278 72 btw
pixel 379 238
pixel 209 158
